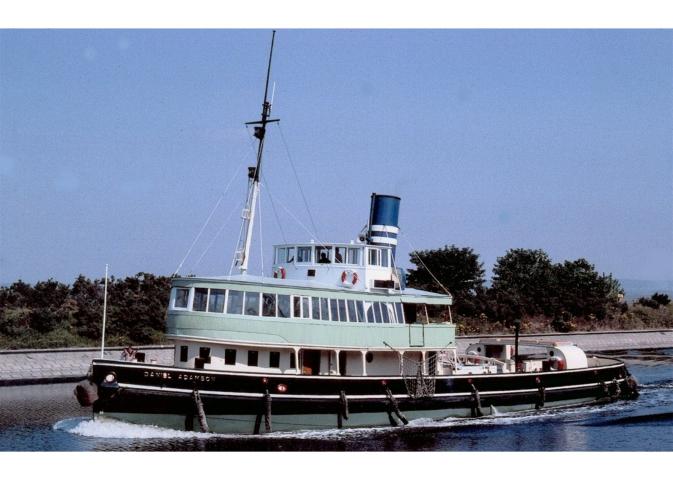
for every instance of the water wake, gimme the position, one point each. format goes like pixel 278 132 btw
pixel 109 428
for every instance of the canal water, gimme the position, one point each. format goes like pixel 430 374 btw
pixel 48 418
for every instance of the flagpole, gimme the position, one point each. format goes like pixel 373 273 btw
pixel 102 342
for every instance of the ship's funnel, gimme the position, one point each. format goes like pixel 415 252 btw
pixel 383 218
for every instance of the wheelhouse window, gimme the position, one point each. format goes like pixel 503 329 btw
pixel 374 257
pixel 284 306
pixel 181 298
pixel 284 255
pixel 235 302
pixel 384 257
pixel 216 300
pixel 323 254
pixel 251 303
pixel 339 254
pixel 200 299
pixel 269 304
pixel 353 257
pixel 304 254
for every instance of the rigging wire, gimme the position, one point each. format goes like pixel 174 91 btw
pixel 414 251
pixel 217 204
pixel 296 176
pixel 261 239
pixel 318 241
pixel 226 221
pixel 267 189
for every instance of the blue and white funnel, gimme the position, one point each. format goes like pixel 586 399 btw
pixel 383 219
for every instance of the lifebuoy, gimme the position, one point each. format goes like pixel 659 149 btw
pixel 280 272
pixel 355 278
pixel 344 276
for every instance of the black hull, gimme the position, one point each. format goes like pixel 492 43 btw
pixel 149 393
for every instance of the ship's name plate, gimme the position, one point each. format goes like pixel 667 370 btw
pixel 192 377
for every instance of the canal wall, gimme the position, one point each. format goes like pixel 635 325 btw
pixel 21 367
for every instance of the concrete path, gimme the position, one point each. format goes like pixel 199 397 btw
pixel 20 367
pixel 593 341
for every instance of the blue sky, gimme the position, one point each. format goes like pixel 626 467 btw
pixel 116 144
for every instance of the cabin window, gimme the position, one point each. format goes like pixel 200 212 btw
pixel 229 356
pixel 342 311
pixel 361 311
pixel 339 254
pixel 369 307
pixel 253 356
pixel 353 256
pixel 374 256
pixel 269 304
pixel 315 303
pixel 296 306
pixel 324 309
pixel 252 303
pixel 274 359
pixel 352 316
pixel 323 254
pixel 400 313
pixel 235 302
pixel 385 314
pixel 305 307
pixel 216 300
pixel 284 306
pixel 204 353
pixel 293 360
pixel 303 254
pixel 184 353
pixel 200 299
pixel 376 306
pixel 181 298
pixel 333 309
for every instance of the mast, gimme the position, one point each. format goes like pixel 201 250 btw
pixel 248 215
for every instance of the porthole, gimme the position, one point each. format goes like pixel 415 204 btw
pixel 369 357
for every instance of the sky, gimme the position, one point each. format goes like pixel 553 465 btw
pixel 116 145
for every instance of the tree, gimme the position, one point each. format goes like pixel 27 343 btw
pixel 457 269
pixel 580 290
pixel 661 298
pixel 524 275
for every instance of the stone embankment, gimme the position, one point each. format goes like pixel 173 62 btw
pixel 21 367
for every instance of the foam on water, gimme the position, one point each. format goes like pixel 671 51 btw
pixel 109 428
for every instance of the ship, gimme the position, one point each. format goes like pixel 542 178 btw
pixel 333 338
